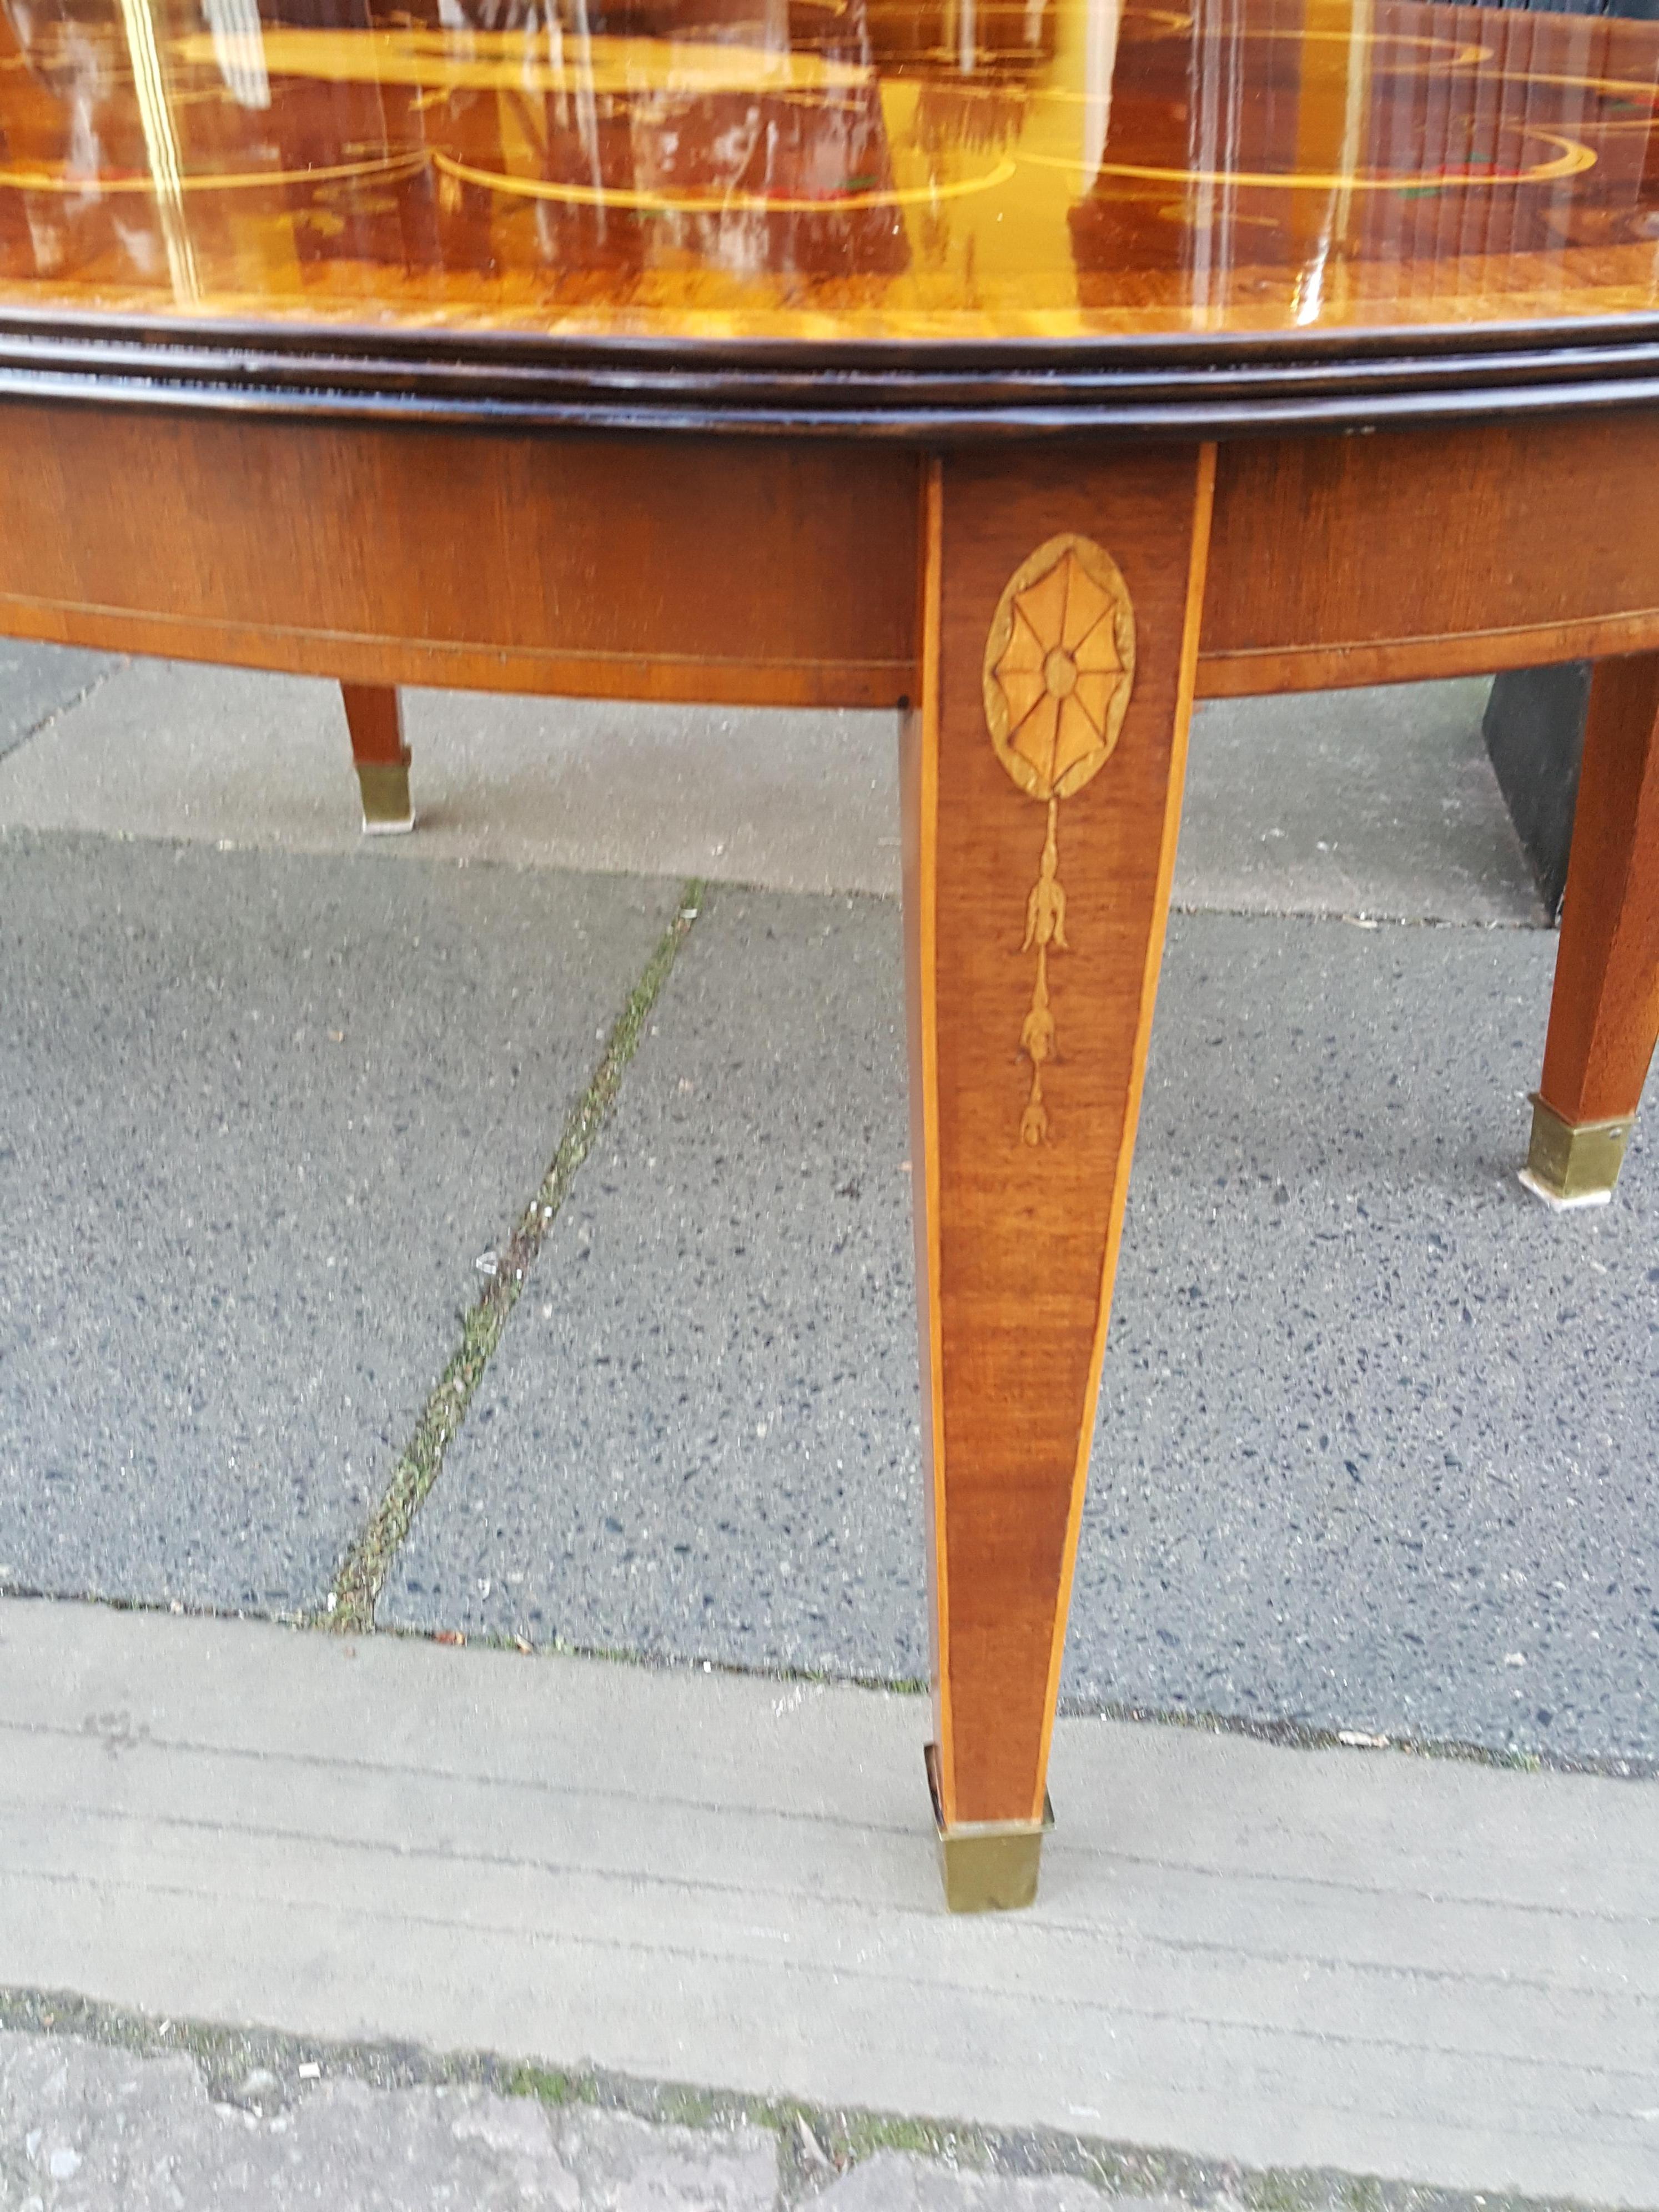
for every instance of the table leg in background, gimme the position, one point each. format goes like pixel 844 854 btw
pixel 374 717
pixel 1043 767
pixel 1604 1016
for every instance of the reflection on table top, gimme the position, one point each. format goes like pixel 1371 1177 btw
pixel 828 169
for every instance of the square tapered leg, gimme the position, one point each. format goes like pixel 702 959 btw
pixel 374 717
pixel 1604 1016
pixel 1043 767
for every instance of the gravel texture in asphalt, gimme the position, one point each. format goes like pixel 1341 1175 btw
pixel 699 1435
pixel 260 1116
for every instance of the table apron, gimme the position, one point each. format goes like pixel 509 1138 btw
pixel 778 572
pixel 1413 553
pixel 726 571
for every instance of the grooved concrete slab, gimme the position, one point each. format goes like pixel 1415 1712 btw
pixel 1409 1967
pixel 1379 801
pixel 259 1115
pixel 38 681
pixel 1375 1447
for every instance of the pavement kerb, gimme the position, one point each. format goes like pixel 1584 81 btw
pixel 816 2145
pixel 349 1607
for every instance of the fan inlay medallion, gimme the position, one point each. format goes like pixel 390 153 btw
pixel 1060 665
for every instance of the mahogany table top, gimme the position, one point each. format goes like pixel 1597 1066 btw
pixel 1257 203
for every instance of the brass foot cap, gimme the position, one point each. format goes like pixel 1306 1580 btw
pixel 988 1866
pixel 1571 1165
pixel 386 806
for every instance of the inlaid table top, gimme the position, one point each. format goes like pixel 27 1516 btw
pixel 1087 210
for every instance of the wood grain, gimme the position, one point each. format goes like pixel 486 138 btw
pixel 1604 1015
pixel 746 571
pixel 1414 553
pixel 375 718
pixel 763 573
pixel 1017 1241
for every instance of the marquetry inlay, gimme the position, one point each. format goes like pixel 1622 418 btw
pixel 1060 665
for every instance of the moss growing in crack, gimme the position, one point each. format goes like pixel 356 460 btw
pixel 544 2085
pixel 362 1574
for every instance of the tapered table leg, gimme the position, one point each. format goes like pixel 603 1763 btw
pixel 1043 767
pixel 1604 1017
pixel 374 717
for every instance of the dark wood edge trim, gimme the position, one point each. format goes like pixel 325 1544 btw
pixel 1256 672
pixel 933 426
pixel 1340 348
pixel 928 406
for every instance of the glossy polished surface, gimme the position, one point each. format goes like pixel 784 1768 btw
pixel 825 170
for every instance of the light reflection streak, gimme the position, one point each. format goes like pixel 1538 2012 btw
pixel 161 147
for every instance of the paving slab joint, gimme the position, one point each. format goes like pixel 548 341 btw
pixel 59 708
pixel 351 1603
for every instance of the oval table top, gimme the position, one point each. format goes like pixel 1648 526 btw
pixel 921 216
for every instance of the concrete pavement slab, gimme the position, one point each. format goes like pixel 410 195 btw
pixel 1375 1444
pixel 222 755
pixel 259 1115
pixel 1407 1967
pixel 699 1434
pixel 1378 801
pixel 97 2130
pixel 40 681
